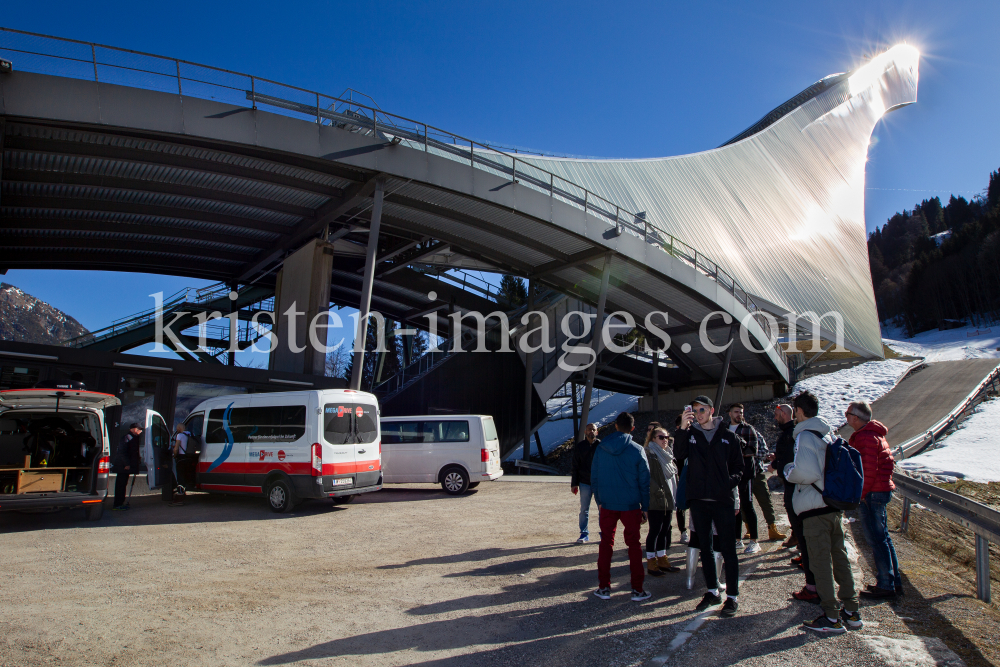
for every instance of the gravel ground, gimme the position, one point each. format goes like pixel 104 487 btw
pixel 404 576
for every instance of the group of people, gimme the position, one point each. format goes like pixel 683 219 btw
pixel 714 470
pixel 127 461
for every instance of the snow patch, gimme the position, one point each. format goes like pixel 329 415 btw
pixel 950 345
pixel 970 452
pixel 836 391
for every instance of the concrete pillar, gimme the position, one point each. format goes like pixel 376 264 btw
pixel 302 291
pixel 596 344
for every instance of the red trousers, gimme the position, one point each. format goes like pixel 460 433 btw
pixel 631 519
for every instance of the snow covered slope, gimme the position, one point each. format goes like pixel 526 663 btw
pixel 836 391
pixel 971 452
pixel 950 345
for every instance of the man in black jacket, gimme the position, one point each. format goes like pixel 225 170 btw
pixel 754 482
pixel 126 463
pixel 715 467
pixel 583 457
pixel 784 453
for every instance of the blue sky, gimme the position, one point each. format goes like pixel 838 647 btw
pixel 591 79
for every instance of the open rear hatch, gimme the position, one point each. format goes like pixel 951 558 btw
pixel 52 398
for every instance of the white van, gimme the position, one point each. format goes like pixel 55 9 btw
pixel 456 451
pixel 287 446
pixel 54 451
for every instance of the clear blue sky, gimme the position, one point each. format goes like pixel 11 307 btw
pixel 593 79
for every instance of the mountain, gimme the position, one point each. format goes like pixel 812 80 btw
pixel 25 319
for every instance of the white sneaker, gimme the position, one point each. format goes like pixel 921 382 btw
pixel 739 544
pixel 752 547
pixel 685 537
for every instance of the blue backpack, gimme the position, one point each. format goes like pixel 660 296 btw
pixel 843 475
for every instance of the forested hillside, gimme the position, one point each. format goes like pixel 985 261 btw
pixel 939 262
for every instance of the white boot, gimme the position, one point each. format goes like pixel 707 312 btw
pixel 692 566
pixel 719 572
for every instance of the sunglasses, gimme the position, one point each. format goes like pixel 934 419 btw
pixel 663 437
pixel 700 409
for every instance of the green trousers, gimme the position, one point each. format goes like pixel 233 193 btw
pixel 828 561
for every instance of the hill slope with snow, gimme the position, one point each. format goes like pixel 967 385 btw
pixel 26 319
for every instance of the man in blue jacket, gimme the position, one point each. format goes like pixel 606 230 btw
pixel 619 479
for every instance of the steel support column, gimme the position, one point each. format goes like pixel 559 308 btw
pixel 596 344
pixel 361 335
pixel 725 367
pixel 656 385
pixel 576 414
pixel 529 387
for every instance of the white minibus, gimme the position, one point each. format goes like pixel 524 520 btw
pixel 286 446
pixel 456 451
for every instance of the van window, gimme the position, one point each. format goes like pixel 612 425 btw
pixel 269 423
pixel 350 423
pixel 195 424
pixel 394 433
pixel 489 429
pixel 366 423
pixel 448 431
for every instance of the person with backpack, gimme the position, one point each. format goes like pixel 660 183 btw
pixel 821 478
pixel 619 478
pixel 876 457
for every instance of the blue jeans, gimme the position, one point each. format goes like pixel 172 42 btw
pixel 875 525
pixel 585 495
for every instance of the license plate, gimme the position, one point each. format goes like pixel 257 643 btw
pixel 347 481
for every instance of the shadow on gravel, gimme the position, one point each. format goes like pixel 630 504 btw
pixel 589 629
pixel 392 494
pixel 150 510
pixel 917 612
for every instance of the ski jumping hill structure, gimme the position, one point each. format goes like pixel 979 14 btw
pixel 124 161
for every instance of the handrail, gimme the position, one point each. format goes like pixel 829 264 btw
pixel 982 520
pixel 416 134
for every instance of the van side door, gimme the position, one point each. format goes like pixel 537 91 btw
pixel 278 439
pixel 222 465
pixel 155 449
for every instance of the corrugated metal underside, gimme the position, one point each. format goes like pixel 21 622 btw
pixel 86 199
pixel 782 210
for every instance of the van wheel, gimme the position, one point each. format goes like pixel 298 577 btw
pixel 279 496
pixel 94 512
pixel 473 485
pixel 454 481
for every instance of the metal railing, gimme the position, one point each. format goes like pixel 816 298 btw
pixel 59 56
pixel 188 295
pixel 982 520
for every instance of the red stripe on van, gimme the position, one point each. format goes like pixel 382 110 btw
pixel 231 487
pixel 348 468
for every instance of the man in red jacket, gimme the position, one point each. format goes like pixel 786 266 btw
pixel 876 457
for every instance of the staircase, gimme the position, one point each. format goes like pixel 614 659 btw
pixel 179 313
